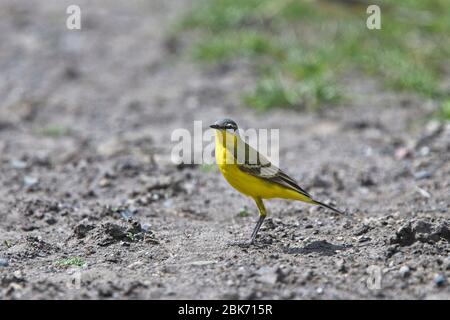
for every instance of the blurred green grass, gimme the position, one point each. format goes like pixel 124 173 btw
pixel 54 131
pixel 70 262
pixel 301 49
pixel 444 111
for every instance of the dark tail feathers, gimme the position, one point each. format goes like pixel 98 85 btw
pixel 328 207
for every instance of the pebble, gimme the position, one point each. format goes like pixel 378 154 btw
pixel 51 220
pixel 424 151
pixel 421 226
pixel 364 239
pixel 404 271
pixel 447 263
pixel 135 265
pixel 439 280
pixel 423 174
pixel 424 193
pixel 362 230
pixel 110 148
pixel 340 265
pixel 268 275
pixel 18 164
pixel 104 182
pixel 4 262
pixel 308 275
pixel 30 181
pixel 168 204
pixel 402 153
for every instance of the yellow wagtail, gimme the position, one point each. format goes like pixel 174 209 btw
pixel 250 173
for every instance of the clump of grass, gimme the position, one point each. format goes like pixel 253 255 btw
pixel 274 92
pixel 444 111
pixel 131 236
pixel 244 213
pixel 229 45
pixel 54 131
pixel 70 262
pixel 204 167
pixel 300 49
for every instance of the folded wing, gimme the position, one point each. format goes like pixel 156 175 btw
pixel 257 165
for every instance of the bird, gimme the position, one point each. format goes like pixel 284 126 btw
pixel 252 174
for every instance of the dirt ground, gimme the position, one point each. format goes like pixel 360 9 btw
pixel 91 207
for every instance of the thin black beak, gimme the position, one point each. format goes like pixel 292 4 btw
pixel 214 126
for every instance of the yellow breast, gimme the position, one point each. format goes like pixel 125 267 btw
pixel 245 183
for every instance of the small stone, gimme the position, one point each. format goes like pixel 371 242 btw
pixel 340 265
pixel 110 148
pixel 404 271
pixel 18 164
pixel 424 151
pixel 4 262
pixel 421 226
pixel 447 263
pixel 135 265
pixel 364 239
pixel 404 236
pixel 268 275
pixel 203 263
pixel 424 193
pixel 362 230
pixel 423 174
pixel 51 220
pixel 439 280
pixel 319 290
pixel 104 182
pixel 168 203
pixel 366 180
pixel 402 153
pixel 30 181
pixel 443 231
pixel 308 275
pixel 81 230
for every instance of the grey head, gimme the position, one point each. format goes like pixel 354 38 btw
pixel 224 124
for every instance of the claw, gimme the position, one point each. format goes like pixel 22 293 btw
pixel 241 243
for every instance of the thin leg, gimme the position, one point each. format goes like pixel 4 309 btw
pixel 255 231
pixel 262 216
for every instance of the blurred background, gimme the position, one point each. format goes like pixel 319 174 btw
pixel 86 118
pixel 304 50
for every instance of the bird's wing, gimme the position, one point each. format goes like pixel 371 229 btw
pixel 259 166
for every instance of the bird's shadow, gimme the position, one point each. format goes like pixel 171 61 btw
pixel 321 247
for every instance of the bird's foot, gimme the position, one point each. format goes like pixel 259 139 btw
pixel 241 243
pixel 246 244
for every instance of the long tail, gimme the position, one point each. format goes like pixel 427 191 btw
pixel 327 206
